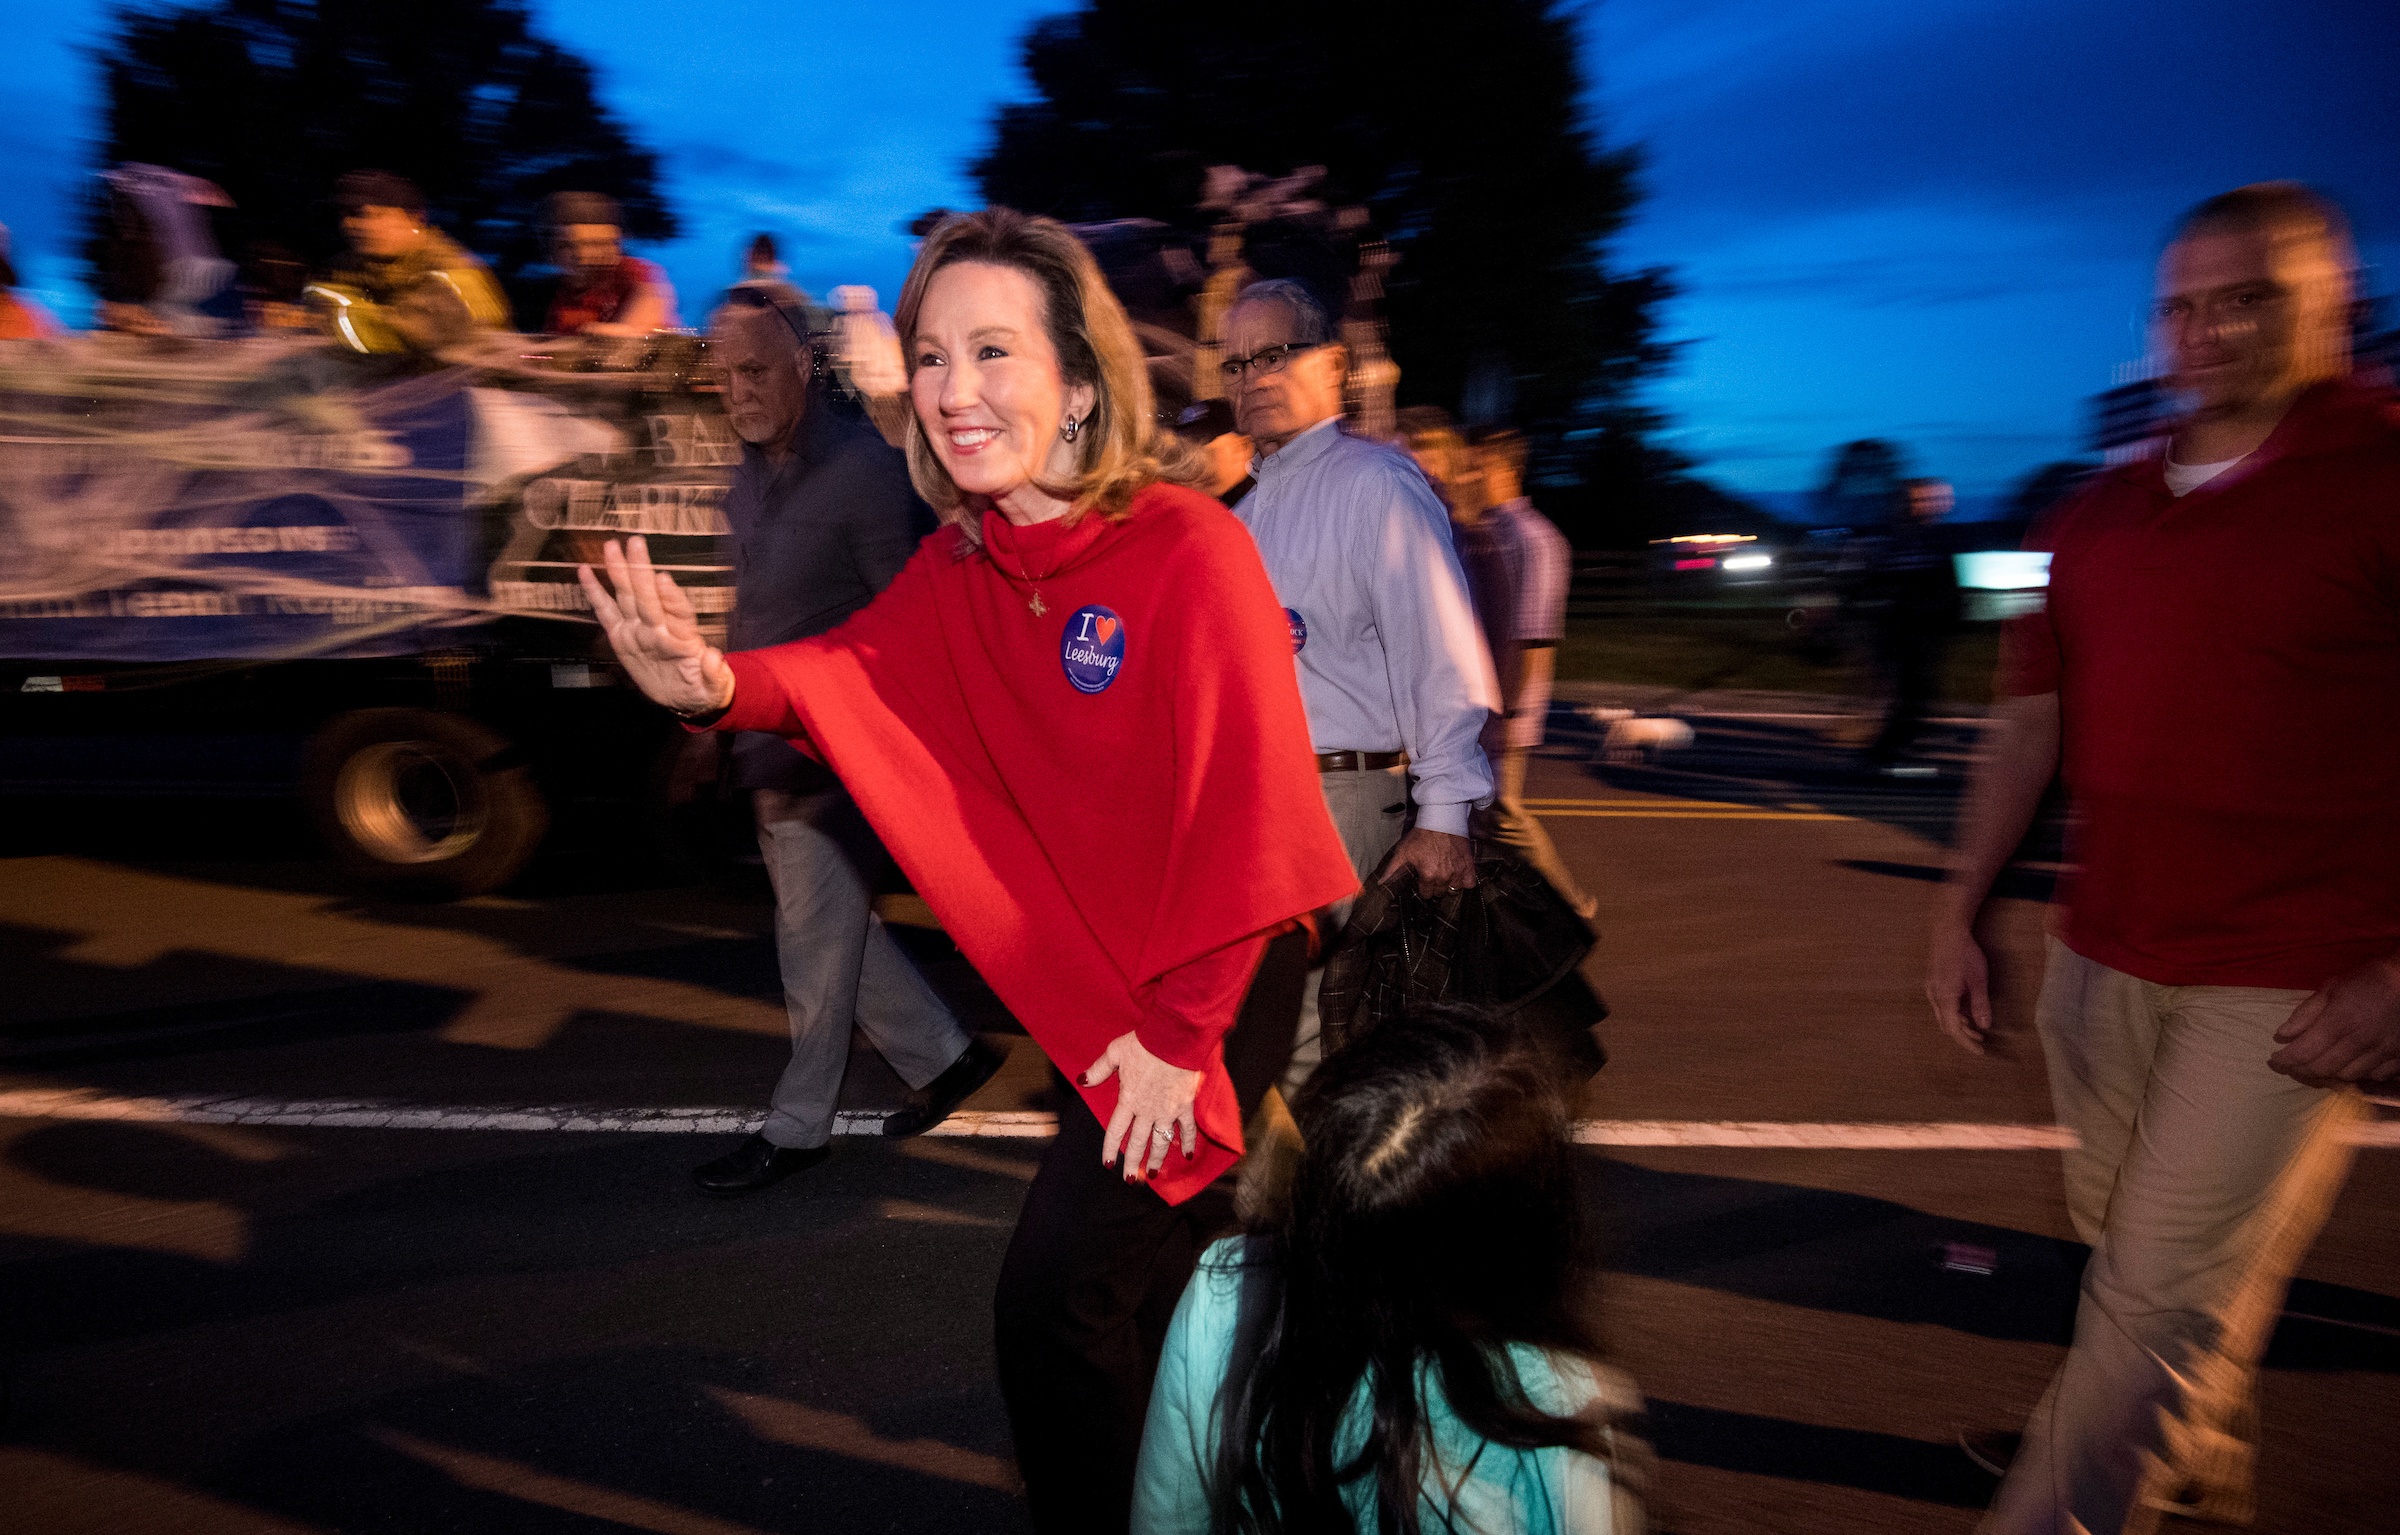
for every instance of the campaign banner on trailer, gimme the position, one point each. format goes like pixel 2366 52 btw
pixel 250 501
pixel 664 475
pixel 155 520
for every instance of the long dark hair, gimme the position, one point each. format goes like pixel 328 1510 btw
pixel 1433 1222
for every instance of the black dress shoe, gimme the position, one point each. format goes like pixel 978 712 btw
pixel 931 1104
pixel 754 1164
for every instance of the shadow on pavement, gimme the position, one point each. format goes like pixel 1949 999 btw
pixel 469 1333
pixel 316 1032
pixel 1855 1254
pixel 416 1331
pixel 1807 1452
pixel 653 1438
pixel 353 1213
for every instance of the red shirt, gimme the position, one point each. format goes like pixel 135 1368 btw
pixel 1109 804
pixel 601 300
pixel 2228 671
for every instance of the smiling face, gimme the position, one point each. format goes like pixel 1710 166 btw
pixel 988 390
pixel 2247 317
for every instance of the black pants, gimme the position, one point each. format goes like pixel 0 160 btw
pixel 1910 657
pixel 1094 1272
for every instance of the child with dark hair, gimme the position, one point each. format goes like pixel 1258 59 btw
pixel 1404 1351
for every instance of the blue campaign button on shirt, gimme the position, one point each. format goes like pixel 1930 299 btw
pixel 1093 648
pixel 1299 625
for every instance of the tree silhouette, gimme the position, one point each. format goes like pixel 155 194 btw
pixel 274 99
pixel 1464 138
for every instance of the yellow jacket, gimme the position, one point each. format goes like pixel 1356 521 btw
pixel 419 301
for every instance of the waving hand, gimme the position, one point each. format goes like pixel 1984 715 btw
pixel 656 631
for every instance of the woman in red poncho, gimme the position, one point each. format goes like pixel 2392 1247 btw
pixel 1073 718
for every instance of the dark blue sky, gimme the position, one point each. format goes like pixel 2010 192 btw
pixel 1931 220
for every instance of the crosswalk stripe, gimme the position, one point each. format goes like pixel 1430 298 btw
pixel 87 1104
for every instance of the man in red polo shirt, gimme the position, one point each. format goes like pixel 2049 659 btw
pixel 601 290
pixel 2214 678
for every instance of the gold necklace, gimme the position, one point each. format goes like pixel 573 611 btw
pixel 1034 602
pixel 1033 583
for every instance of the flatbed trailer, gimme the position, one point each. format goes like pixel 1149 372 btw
pixel 206 595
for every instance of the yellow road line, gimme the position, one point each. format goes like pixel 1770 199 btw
pixel 1650 804
pixel 1690 815
pixel 1676 809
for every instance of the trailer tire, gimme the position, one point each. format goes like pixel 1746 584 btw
pixel 422 804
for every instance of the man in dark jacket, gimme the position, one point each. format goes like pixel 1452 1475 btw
pixel 823 518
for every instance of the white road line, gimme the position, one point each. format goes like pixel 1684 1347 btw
pixel 1818 1137
pixel 87 1104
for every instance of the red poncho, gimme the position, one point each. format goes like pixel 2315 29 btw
pixel 1105 804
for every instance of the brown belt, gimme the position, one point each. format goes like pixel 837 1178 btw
pixel 1359 762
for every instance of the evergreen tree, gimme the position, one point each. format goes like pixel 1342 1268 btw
pixel 274 99
pixel 1462 132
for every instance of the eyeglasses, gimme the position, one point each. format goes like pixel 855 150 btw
pixel 1266 360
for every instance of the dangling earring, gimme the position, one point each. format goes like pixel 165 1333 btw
pixel 1070 429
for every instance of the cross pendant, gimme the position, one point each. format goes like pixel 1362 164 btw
pixel 1035 603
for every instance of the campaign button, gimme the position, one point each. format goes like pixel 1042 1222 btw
pixel 1093 648
pixel 1299 628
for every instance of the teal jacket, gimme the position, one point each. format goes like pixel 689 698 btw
pixel 1474 1487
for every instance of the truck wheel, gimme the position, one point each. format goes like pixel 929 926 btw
pixel 422 804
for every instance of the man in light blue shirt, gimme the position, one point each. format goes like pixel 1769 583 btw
pixel 1392 667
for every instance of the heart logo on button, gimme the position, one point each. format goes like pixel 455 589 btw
pixel 1106 628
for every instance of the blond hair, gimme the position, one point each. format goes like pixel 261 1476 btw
pixel 1120 447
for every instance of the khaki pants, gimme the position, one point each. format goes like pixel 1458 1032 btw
pixel 2201 1181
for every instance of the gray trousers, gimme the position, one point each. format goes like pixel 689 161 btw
pixel 839 965
pixel 2201 1180
pixel 1370 811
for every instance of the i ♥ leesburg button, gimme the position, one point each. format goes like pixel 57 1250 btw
pixel 1299 628
pixel 1093 648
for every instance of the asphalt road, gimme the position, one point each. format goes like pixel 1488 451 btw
pixel 278 1326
